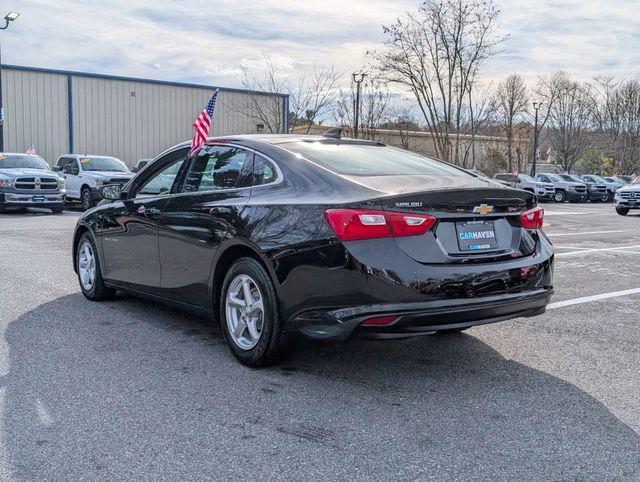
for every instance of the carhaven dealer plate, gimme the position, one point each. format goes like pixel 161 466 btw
pixel 476 235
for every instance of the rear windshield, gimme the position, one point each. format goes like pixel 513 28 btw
pixel 363 160
pixel 22 161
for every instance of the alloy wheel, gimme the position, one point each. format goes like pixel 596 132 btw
pixel 244 309
pixel 86 266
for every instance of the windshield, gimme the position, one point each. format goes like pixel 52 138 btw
pixel 525 177
pixel 102 163
pixel 555 178
pixel 22 161
pixel 637 181
pixel 370 160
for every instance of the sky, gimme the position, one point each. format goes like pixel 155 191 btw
pixel 211 42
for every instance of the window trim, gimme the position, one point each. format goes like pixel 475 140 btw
pixel 279 176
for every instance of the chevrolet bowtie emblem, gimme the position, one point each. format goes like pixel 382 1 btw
pixel 483 209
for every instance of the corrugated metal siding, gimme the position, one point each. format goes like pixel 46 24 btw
pixel 126 118
pixel 35 107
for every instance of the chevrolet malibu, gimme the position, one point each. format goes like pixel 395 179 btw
pixel 276 236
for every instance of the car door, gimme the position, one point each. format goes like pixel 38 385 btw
pixel 208 211
pixel 130 227
pixel 73 182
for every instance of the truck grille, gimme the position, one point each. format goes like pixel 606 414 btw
pixel 117 180
pixel 36 183
pixel 581 189
pixel 549 188
pixel 601 189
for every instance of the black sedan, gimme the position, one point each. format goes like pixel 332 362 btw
pixel 282 235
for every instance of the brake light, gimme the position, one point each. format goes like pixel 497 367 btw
pixel 533 218
pixel 380 321
pixel 358 224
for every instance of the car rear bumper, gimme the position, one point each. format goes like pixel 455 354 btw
pixel 413 319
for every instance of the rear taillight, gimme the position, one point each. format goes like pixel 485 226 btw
pixel 533 218
pixel 357 224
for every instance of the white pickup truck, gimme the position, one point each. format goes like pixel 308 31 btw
pixel 86 174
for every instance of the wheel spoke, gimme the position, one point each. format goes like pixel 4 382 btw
pixel 253 330
pixel 235 301
pixel 239 328
pixel 246 288
pixel 256 306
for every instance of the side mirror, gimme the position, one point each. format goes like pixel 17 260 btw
pixel 57 168
pixel 67 169
pixel 135 169
pixel 111 192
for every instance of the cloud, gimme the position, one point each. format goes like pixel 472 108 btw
pixel 212 41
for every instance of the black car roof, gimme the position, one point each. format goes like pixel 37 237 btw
pixel 275 139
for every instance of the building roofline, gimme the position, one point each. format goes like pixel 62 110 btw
pixel 25 68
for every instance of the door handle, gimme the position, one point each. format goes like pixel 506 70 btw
pixel 149 212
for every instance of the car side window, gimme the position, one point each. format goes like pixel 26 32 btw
pixel 264 172
pixel 161 182
pixel 74 170
pixel 218 168
pixel 544 178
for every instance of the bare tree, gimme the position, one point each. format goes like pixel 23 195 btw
pixel 437 53
pixel 310 95
pixel 616 112
pixel 511 102
pixel 400 117
pixel 374 100
pixel 570 121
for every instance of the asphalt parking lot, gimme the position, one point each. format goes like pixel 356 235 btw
pixel 129 389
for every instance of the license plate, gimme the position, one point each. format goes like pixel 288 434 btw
pixel 476 236
pixel 38 199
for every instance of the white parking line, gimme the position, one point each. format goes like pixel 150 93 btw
pixel 573 213
pixel 589 299
pixel 594 250
pixel 591 232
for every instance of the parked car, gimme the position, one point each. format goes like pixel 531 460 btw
pixel 27 181
pixel 612 187
pixel 140 164
pixel 627 198
pixel 565 190
pixel 86 174
pixel 544 190
pixel 282 235
pixel 624 179
pixel 615 180
pixel 596 192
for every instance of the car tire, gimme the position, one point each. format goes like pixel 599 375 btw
pixel 57 210
pixel 86 199
pixel 87 259
pixel 256 338
pixel 622 211
pixel 560 197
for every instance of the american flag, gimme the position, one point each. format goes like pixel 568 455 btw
pixel 31 151
pixel 203 123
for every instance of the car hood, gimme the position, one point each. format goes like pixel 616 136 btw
pixel 15 173
pixel 574 184
pixel 630 188
pixel 109 174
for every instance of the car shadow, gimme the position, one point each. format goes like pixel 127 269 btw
pixel 129 389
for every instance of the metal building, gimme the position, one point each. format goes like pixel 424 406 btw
pixel 63 112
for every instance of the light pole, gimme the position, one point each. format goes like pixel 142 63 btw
pixel 358 78
pixel 10 17
pixel 536 108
